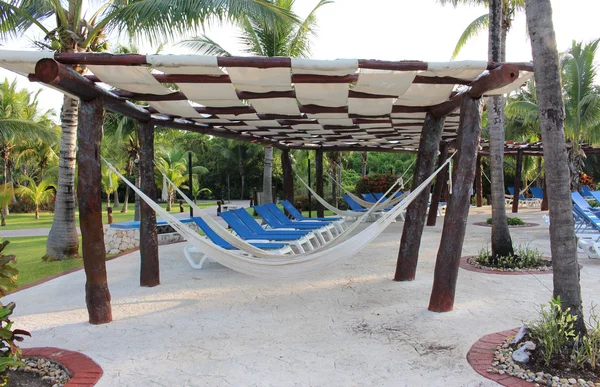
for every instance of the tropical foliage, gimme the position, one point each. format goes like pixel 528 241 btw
pixel 38 193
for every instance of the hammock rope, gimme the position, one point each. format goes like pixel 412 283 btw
pixel 290 266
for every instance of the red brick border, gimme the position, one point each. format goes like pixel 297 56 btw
pixel 481 355
pixel 467 266
pixel 84 371
pixel 527 224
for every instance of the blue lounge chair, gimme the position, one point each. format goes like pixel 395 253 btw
pixel 282 248
pixel 278 213
pixel 354 206
pixel 582 203
pixel 297 215
pixel 369 197
pixel 586 192
pixel 249 222
pixel 378 195
pixel 537 192
pixel 596 195
pixel 296 239
pixel 277 224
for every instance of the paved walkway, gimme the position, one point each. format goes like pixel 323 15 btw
pixel 349 325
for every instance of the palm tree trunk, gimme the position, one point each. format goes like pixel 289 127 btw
pixel 124 209
pixel 37 212
pixel 116 203
pixel 5 176
pixel 63 241
pixel 169 202
pixel 107 200
pixel 552 116
pixel 501 240
pixel 268 175
pixel 364 157
pixel 243 177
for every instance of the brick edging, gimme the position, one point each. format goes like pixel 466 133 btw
pixel 527 224
pixel 465 265
pixel 84 371
pixel 481 355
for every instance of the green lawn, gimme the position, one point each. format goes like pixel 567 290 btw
pixel 29 252
pixel 23 221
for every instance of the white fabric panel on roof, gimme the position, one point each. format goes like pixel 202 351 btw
pixel 338 67
pixel 263 123
pixel 131 78
pixel 327 115
pixel 413 116
pixel 336 121
pixel 375 125
pixel 22 62
pixel 261 80
pixel 307 127
pixel 185 64
pixel 211 94
pixel 419 94
pixel 178 108
pixel 212 121
pixel 241 127
pixel 524 76
pixel 287 106
pixel 457 69
pixel 322 94
pixel 406 121
pixel 393 83
pixel 239 117
pixel 370 106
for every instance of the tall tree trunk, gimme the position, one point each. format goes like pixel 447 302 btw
pixel 364 158
pixel 136 211
pixel 243 177
pixel 63 241
pixel 97 294
pixel 169 202
pixel 552 116
pixel 107 201
pixel 501 240
pixel 479 181
pixel 288 176
pixel 5 176
pixel 124 209
pixel 319 181
pixel 37 211
pixel 116 203
pixel 268 175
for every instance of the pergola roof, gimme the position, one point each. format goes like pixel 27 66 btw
pixel 285 102
pixel 511 148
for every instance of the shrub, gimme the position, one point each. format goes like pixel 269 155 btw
pixel 524 257
pixel 553 330
pixel 25 205
pixel 512 221
pixel 593 203
pixel 10 353
pixel 375 183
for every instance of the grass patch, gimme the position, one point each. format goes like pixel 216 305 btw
pixel 29 252
pixel 524 257
pixel 512 221
pixel 25 221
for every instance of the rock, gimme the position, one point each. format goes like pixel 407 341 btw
pixel 501 372
pixel 521 334
pixel 564 381
pixel 572 381
pixel 522 354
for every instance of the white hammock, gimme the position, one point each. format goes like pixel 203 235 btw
pixel 289 266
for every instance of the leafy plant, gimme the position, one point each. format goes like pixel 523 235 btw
pixel 375 183
pixel 587 349
pixel 594 203
pixel 553 330
pixel 10 353
pixel 39 193
pixel 512 221
pixel 524 257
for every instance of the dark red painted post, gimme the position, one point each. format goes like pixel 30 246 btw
pixel 457 211
pixel 479 181
pixel 150 268
pixel 89 135
pixel 319 181
pixel 517 185
pixel 408 254
pixel 440 183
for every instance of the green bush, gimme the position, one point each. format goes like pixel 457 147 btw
pixel 512 221
pixel 10 353
pixel 594 203
pixel 553 330
pixel 375 183
pixel 524 257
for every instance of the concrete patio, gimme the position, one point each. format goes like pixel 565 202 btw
pixel 350 325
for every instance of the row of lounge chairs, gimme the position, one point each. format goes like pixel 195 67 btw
pixel 587 223
pixel 283 235
pixel 537 195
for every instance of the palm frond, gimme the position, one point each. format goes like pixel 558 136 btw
pixel 17 16
pixel 299 46
pixel 478 25
pixel 205 45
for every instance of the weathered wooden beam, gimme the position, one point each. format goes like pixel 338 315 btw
pixel 457 211
pixel 64 78
pixel 150 266
pixel 288 176
pixel 479 181
pixel 410 242
pixel 319 181
pixel 440 183
pixel 517 184
pixel 89 136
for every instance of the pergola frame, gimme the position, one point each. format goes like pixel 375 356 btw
pixel 57 73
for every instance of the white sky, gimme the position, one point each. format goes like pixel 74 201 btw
pixel 395 30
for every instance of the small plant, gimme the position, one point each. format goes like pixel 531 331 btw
pixel 593 203
pixel 523 257
pixel 553 330
pixel 587 349
pixel 512 221
pixel 10 353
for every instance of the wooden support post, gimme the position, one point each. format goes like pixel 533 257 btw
pixel 309 194
pixel 319 178
pixel 457 212
pixel 150 270
pixel 89 135
pixel 288 176
pixel 190 182
pixel 440 183
pixel 517 185
pixel 408 254
pixel 479 181
pixel 544 206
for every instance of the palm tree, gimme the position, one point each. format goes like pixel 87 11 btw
pixel 552 119
pixel 110 182
pixel 6 195
pixel 481 24
pixel 239 156
pixel 173 163
pixel 581 100
pixel 71 31
pixel 40 193
pixel 282 38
